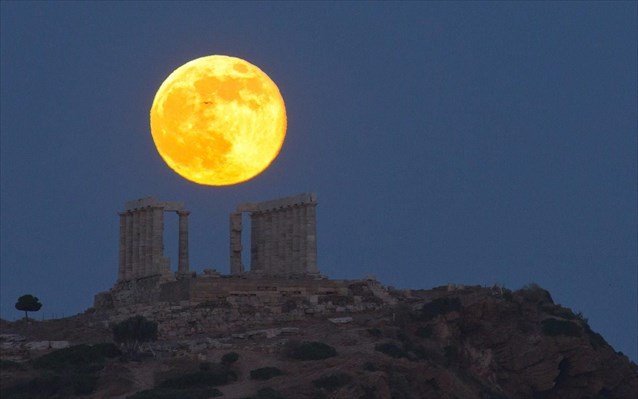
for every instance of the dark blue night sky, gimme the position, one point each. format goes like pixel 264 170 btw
pixel 468 143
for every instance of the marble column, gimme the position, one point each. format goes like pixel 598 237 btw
pixel 288 223
pixel 121 271
pixel 157 246
pixel 136 244
pixel 236 267
pixel 143 226
pixel 182 262
pixel 148 254
pixel 254 240
pixel 311 239
pixel 268 244
pixel 296 238
pixel 303 243
pixel 128 274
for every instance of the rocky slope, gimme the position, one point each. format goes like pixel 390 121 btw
pixel 448 342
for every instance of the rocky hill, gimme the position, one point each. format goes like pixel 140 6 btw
pixel 448 342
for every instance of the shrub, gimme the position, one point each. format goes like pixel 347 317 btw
pixel 268 393
pixel 167 393
pixel 77 356
pixel 440 306
pixel 375 332
pixel 534 293
pixel 265 373
pixel 451 354
pixel 332 381
pixel 54 384
pixel 10 365
pixel 310 351
pixel 596 340
pixel 200 379
pixel 230 358
pixel 555 327
pixel 391 349
pixel 369 366
pixel 134 331
pixel 47 384
pixel 424 332
pixel 205 366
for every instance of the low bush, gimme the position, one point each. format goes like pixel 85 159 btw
pixel 167 393
pixel 200 379
pixel 375 332
pixel 424 332
pixel 310 350
pixel 77 356
pixel 369 366
pixel 440 306
pixel 53 384
pixel 6 365
pixel 265 373
pixel 268 393
pixel 535 293
pixel 596 340
pixel 205 366
pixel 391 349
pixel 230 358
pixel 555 327
pixel 332 381
pixel 451 354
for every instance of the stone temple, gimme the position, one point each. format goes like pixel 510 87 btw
pixel 283 257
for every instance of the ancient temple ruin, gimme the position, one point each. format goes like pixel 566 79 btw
pixel 283 261
pixel 283 237
pixel 142 239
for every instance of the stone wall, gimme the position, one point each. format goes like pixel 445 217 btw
pixel 254 303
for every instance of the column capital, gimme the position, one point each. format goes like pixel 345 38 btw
pixel 183 213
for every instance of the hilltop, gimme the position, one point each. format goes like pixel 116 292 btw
pixel 447 342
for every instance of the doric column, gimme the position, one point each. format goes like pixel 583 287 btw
pixel 157 246
pixel 182 262
pixel 296 239
pixel 257 241
pixel 236 266
pixel 128 273
pixel 143 266
pixel 276 260
pixel 311 239
pixel 136 244
pixel 148 238
pixel 121 271
pixel 268 241
pixel 303 242
pixel 288 228
pixel 254 241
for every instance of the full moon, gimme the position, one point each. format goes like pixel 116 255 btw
pixel 218 120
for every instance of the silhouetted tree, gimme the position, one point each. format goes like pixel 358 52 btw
pixel 133 332
pixel 28 303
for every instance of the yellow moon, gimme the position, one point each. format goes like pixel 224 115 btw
pixel 218 120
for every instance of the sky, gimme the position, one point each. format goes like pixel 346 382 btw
pixel 466 143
